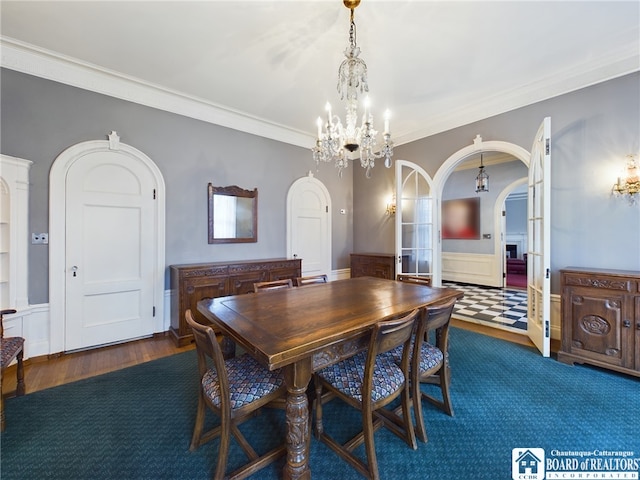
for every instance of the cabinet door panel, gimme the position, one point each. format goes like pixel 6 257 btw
pixel 597 327
pixel 196 289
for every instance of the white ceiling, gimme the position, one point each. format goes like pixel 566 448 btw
pixel 435 65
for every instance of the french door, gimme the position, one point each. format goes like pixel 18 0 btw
pixel 416 235
pixel 538 259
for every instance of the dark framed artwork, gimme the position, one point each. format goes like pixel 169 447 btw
pixel 461 219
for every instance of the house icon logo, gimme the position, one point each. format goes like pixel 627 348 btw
pixel 527 464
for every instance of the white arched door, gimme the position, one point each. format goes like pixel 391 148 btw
pixel 415 214
pixel 107 269
pixel 309 225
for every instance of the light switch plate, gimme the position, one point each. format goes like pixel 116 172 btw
pixel 39 239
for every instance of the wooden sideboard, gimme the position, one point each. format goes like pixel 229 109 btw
pixel 601 318
pixel 381 265
pixel 192 282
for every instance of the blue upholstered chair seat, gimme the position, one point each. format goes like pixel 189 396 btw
pixel 348 376
pixel 430 356
pixel 8 349
pixel 248 381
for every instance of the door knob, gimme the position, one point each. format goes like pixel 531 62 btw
pixel 74 269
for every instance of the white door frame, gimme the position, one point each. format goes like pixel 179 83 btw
pixel 327 198
pixel 500 227
pixel 441 176
pixel 57 231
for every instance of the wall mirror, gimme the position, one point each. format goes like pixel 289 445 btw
pixel 233 214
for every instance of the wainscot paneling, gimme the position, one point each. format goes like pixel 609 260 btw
pixel 478 269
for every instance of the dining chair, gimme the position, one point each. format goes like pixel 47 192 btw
pixel 11 348
pixel 402 277
pixel 368 382
pixel 233 389
pixel 302 281
pixel 273 285
pixel 430 363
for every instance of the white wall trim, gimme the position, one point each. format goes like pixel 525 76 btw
pixel 478 269
pixel 37 61
pixel 14 175
pixel 31 323
pixel 57 231
pixel 556 316
pixel 596 70
pixel 498 235
pixel 445 170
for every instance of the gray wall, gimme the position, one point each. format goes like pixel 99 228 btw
pixel 41 118
pixel 516 215
pixel 461 184
pixel 592 130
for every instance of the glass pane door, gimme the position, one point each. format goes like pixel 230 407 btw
pixel 414 220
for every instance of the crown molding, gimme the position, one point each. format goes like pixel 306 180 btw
pixel 39 62
pixel 619 63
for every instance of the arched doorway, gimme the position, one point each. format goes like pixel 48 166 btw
pixel 538 164
pixel 107 237
pixel 309 225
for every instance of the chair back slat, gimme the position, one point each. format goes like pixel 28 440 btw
pixel 439 315
pixel 301 281
pixel 388 334
pixel 414 279
pixel 208 348
pixel 438 318
pixel 273 285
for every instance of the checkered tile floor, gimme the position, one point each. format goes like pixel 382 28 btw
pixel 500 308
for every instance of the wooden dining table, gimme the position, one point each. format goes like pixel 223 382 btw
pixel 306 328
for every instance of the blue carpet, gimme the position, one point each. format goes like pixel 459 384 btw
pixel 136 423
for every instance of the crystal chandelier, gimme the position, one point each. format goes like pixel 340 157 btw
pixel 338 142
pixel 482 180
pixel 629 186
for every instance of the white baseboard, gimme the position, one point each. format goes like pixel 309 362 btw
pixel 340 274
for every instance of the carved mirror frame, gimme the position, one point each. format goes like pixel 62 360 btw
pixel 232 191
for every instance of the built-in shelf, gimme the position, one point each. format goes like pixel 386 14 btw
pixel 14 234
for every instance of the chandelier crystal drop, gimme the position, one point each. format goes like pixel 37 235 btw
pixel 339 143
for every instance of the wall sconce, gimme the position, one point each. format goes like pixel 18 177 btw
pixel 628 185
pixel 391 206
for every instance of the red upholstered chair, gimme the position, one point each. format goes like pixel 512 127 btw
pixel 11 348
pixel 233 389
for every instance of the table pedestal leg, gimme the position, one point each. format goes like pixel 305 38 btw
pixel 297 378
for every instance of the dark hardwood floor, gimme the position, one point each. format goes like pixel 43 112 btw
pixel 47 372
